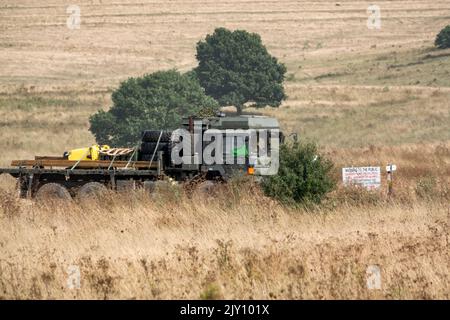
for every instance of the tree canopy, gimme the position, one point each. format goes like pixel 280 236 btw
pixel 235 68
pixel 154 101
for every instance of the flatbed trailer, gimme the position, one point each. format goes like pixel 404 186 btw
pixel 72 177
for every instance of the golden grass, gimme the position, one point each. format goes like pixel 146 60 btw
pixel 248 247
pixel 46 123
pixel 357 116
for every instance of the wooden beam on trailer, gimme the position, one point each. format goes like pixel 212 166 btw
pixel 49 158
pixel 83 164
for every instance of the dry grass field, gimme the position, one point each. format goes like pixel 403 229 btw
pixel 368 97
pixel 241 246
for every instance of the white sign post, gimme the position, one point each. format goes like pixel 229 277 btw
pixel 367 177
pixel 390 168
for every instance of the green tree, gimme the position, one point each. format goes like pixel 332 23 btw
pixel 235 68
pixel 154 101
pixel 304 175
pixel 443 38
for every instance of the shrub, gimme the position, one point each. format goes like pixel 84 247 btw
pixel 304 176
pixel 443 38
pixel 211 292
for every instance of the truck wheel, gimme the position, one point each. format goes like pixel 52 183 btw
pixel 53 191
pixel 91 190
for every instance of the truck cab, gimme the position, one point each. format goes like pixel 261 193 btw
pixel 237 130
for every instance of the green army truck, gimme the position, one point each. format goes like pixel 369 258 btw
pixel 152 161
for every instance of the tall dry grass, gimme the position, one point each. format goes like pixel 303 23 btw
pixel 239 245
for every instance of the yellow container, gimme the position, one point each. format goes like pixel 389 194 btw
pixel 86 154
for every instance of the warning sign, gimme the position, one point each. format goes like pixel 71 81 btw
pixel 368 177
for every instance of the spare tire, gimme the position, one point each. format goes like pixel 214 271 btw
pixel 91 190
pixel 153 136
pixel 148 157
pixel 149 147
pixel 53 191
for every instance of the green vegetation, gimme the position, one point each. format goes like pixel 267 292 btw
pixel 211 292
pixel 235 68
pixel 304 176
pixel 443 38
pixel 155 101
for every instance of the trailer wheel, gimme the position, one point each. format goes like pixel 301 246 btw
pixel 91 190
pixel 53 191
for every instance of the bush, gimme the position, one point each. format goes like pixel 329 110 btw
pixel 443 38
pixel 304 176
pixel 155 101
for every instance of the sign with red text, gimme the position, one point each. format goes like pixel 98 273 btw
pixel 367 177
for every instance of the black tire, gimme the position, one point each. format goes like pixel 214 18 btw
pixel 153 136
pixel 91 190
pixel 148 157
pixel 52 191
pixel 149 147
pixel 145 157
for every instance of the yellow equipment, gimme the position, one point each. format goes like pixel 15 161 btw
pixel 90 153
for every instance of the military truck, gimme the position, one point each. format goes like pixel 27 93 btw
pixel 87 172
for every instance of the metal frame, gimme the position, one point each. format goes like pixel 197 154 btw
pixel 85 164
